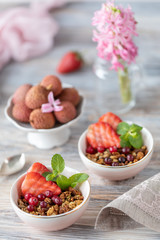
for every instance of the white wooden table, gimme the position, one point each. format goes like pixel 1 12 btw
pixel 76 34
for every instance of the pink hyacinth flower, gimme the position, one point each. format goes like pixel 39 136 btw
pixel 115 29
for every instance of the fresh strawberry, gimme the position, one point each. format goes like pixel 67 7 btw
pixel 36 184
pixel 110 118
pixel 101 134
pixel 70 62
pixel 38 167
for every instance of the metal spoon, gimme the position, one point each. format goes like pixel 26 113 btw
pixel 12 164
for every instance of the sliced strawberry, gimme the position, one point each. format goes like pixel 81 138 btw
pixel 35 184
pixel 70 62
pixel 38 167
pixel 110 118
pixel 101 134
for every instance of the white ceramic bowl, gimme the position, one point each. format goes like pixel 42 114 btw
pixel 117 172
pixel 55 222
pixel 45 138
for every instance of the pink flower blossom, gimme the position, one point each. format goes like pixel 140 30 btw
pixel 115 28
pixel 52 105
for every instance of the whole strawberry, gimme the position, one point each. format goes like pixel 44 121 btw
pixel 70 62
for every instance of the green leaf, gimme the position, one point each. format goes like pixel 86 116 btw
pixel 54 179
pixel 124 140
pixel 63 182
pixel 58 163
pixel 49 177
pixel 135 128
pixel 78 178
pixel 125 143
pixel 74 184
pixel 54 173
pixel 130 135
pixel 136 141
pixel 45 174
pixel 123 128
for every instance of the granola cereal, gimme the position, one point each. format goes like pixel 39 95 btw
pixel 119 157
pixel 70 199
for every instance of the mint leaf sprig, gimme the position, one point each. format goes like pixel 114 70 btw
pixel 130 135
pixel 62 181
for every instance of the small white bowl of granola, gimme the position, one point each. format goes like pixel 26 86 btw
pixel 53 220
pixel 114 162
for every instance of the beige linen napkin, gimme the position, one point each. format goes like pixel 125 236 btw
pixel 141 205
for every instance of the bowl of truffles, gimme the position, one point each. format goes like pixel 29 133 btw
pixel 45 111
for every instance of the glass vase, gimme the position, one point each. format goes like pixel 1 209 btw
pixel 115 90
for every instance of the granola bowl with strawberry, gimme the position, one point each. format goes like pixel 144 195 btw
pixel 114 149
pixel 50 199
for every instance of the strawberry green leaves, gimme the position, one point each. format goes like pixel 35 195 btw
pixel 62 181
pixel 130 135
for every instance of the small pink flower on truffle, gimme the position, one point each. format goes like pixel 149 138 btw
pixel 52 105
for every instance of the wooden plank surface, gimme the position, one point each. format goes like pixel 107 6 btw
pixel 76 33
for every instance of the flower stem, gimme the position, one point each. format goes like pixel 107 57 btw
pixel 125 85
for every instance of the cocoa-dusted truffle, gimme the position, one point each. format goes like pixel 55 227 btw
pixel 21 112
pixel 20 93
pixel 53 84
pixel 67 114
pixel 41 120
pixel 36 96
pixel 71 95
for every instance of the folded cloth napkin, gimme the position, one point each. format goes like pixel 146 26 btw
pixel 141 204
pixel 27 32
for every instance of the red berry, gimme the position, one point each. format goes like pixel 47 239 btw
pixel 43 204
pixel 115 164
pixel 27 196
pixel 57 200
pixel 49 194
pixel 121 159
pixel 33 201
pixel 125 150
pixel 113 149
pixel 108 161
pixel 41 197
pixel 101 149
pixel 90 150
pixel 30 208
pixel 130 157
